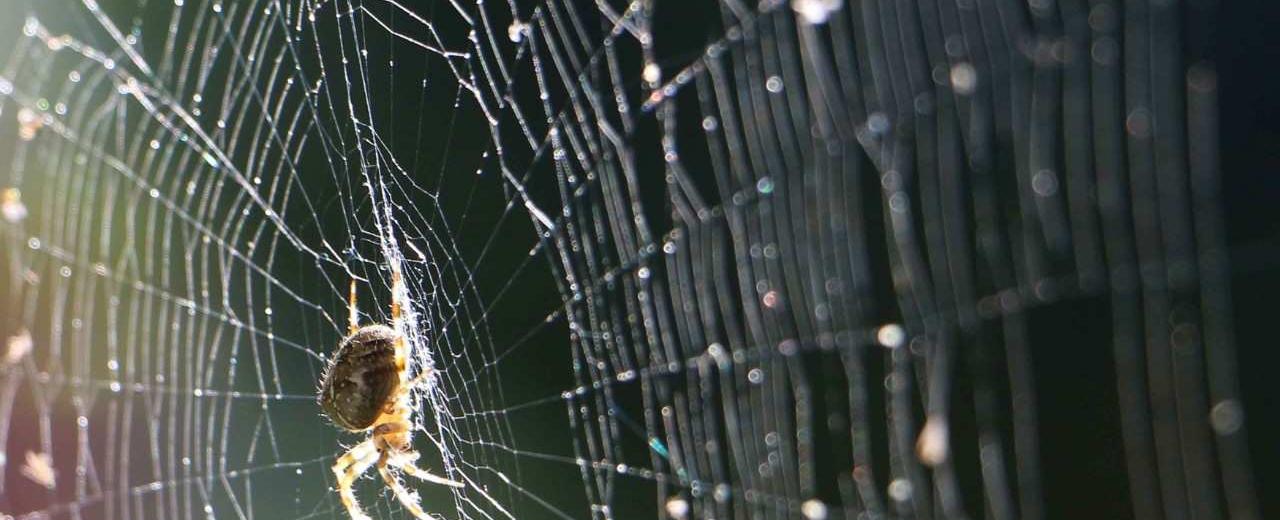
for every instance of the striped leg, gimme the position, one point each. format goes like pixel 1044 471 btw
pixel 409 500
pixel 353 315
pixel 398 302
pixel 347 469
pixel 404 463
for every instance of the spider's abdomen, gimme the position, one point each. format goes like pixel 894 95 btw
pixel 363 375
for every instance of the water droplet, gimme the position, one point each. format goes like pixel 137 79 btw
pixel 652 73
pixel 516 31
pixel 964 78
pixel 900 490
pixel 816 11
pixel 1227 417
pixel 771 299
pixel 677 507
pixel 11 206
pixel 1045 183
pixel 891 335
pixel 773 84
pixel 814 509
pixel 933 445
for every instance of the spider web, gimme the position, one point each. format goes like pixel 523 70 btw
pixel 811 258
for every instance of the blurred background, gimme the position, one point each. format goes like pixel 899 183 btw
pixel 808 259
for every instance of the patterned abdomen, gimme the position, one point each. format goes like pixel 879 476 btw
pixel 363 375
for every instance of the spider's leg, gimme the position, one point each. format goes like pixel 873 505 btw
pixel 355 454
pixel 409 501
pixel 347 469
pixel 398 294
pixel 397 290
pixel 404 463
pixel 353 316
pixel 421 377
pixel 404 455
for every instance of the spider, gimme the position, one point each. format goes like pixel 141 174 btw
pixel 366 388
